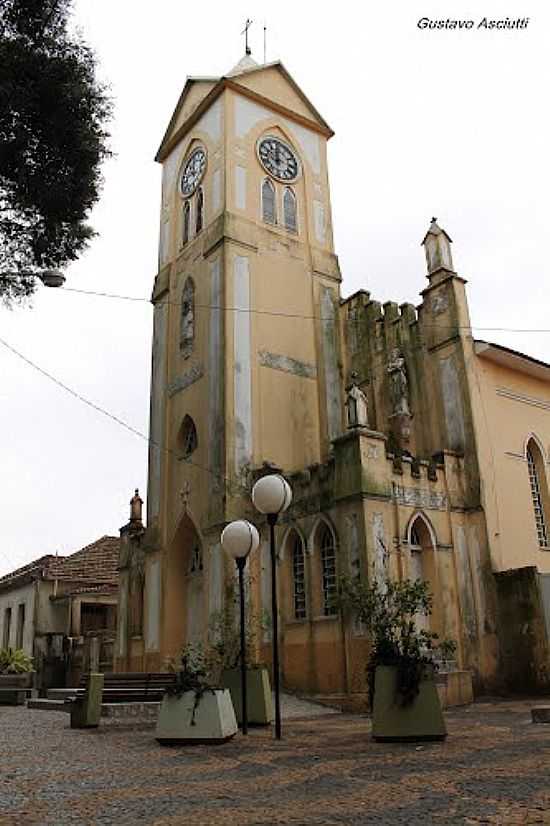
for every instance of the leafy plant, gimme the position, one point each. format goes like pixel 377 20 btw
pixel 193 672
pixel 447 649
pixel 225 633
pixel 389 612
pixel 14 661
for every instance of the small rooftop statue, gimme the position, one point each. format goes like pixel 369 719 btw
pixel 356 404
pixel 136 505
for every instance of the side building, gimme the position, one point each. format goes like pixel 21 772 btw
pixel 61 610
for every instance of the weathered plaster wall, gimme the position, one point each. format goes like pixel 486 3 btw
pixel 524 642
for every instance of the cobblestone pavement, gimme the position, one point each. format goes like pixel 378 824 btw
pixel 493 768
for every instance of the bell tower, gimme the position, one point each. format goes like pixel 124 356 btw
pixel 246 343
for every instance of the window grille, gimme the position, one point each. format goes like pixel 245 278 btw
pixel 289 210
pixel 328 563
pixel 200 211
pixel 269 210
pixel 298 571
pixel 540 519
pixel 186 222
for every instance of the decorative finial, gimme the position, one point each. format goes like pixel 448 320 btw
pixel 434 220
pixel 247 49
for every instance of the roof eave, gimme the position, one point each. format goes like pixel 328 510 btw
pixel 513 359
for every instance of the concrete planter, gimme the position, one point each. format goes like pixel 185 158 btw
pixel 259 703
pixel 17 680
pixel 422 720
pixel 213 721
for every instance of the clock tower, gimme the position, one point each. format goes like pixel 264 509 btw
pixel 246 366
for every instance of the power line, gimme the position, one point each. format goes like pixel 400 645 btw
pixel 230 485
pixel 281 314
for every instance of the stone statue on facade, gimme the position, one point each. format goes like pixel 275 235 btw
pixel 399 385
pixel 356 404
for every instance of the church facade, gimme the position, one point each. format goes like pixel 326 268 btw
pixel 412 449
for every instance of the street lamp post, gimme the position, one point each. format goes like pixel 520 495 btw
pixel 239 539
pixel 272 495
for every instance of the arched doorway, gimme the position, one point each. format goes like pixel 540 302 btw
pixel 422 547
pixel 185 615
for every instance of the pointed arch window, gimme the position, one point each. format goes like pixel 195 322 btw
pixel 187 320
pixel 289 210
pixel 269 207
pixel 535 467
pixel 328 569
pixel 186 222
pixel 189 441
pixel 298 578
pixel 199 219
pixel 196 564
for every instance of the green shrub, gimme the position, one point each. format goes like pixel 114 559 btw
pixel 14 661
pixel 389 611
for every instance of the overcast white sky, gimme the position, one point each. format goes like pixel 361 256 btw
pixel 445 123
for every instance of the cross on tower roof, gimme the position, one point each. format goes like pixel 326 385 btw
pixel 248 24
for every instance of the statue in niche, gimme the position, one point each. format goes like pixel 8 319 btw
pixel 187 329
pixel 356 404
pixel 399 386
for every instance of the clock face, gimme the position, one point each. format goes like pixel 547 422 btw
pixel 193 171
pixel 278 159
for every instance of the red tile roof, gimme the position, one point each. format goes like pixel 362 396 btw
pixel 96 564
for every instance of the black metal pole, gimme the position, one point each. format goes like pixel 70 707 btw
pixel 272 519
pixel 241 562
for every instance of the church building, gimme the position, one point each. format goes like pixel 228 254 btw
pixel 412 449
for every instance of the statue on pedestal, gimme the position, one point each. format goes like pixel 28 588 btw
pixel 356 404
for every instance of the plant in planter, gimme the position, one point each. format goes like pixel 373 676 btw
pixel 15 661
pixel 16 676
pixel 400 672
pixel 445 655
pixel 194 709
pixel 226 645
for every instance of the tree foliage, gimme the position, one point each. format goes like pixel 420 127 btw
pixel 53 112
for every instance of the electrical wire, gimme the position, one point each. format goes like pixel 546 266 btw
pixel 281 314
pixel 230 485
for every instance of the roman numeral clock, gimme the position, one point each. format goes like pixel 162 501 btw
pixel 278 159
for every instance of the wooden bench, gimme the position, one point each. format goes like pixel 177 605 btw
pixel 132 687
pixel 118 688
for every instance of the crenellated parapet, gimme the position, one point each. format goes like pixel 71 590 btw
pixel 410 362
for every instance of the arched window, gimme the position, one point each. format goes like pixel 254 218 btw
pixel 328 569
pixel 199 220
pixel 186 222
pixel 187 321
pixel 535 467
pixel 289 210
pixel 196 565
pixel 298 578
pixel 188 437
pixel 269 208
